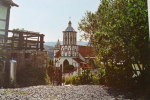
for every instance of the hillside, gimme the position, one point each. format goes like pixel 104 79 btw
pixel 53 43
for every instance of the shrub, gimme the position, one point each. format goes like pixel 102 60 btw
pixel 76 80
pixel 68 68
pixel 95 80
pixel 101 75
pixel 85 78
pixel 69 80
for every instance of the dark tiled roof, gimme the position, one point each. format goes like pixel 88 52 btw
pixel 69 28
pixel 10 2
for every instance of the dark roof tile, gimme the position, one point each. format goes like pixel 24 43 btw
pixel 69 28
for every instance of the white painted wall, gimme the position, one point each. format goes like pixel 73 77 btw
pixel 3 14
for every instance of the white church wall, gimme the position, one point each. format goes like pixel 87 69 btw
pixel 69 51
pixel 56 62
pixel 70 60
pixel 59 61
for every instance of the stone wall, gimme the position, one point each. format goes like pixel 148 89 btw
pixel 28 58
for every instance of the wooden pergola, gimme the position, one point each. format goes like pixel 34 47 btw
pixel 24 40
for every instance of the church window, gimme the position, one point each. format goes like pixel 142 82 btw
pixel 65 50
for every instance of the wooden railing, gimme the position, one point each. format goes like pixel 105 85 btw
pixel 23 40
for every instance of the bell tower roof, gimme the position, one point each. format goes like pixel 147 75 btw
pixel 69 28
pixel 58 43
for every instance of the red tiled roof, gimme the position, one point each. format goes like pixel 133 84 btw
pixel 58 54
pixel 84 66
pixel 78 60
pixel 86 51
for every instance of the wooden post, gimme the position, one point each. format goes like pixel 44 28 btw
pixel 37 47
pixel 42 42
pixel 21 40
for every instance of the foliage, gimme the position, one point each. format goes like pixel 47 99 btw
pixel 50 72
pixel 30 76
pixel 67 67
pixel 119 32
pixel 70 68
pixel 101 75
pixel 91 63
pixel 85 78
pixel 69 80
pixel 51 63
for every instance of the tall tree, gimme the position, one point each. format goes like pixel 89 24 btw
pixel 120 32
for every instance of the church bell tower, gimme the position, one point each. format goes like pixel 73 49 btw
pixel 69 35
pixel 69 47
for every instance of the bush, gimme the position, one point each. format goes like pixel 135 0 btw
pixel 76 80
pixel 119 76
pixel 83 79
pixel 69 80
pixel 101 75
pixel 95 80
pixel 86 77
pixel 68 68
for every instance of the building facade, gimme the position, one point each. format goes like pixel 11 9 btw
pixel 69 51
pixel 5 6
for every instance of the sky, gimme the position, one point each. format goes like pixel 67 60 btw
pixel 50 17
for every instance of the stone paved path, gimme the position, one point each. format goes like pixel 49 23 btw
pixel 83 92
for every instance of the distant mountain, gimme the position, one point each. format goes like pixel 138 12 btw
pixel 54 43
pixel 82 43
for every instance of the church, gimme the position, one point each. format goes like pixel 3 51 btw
pixel 70 52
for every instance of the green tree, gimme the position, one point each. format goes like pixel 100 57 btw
pixel 67 67
pixel 120 32
pixel 91 63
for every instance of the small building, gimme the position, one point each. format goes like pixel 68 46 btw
pixel 22 47
pixel 70 52
pixel 27 48
pixel 5 6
